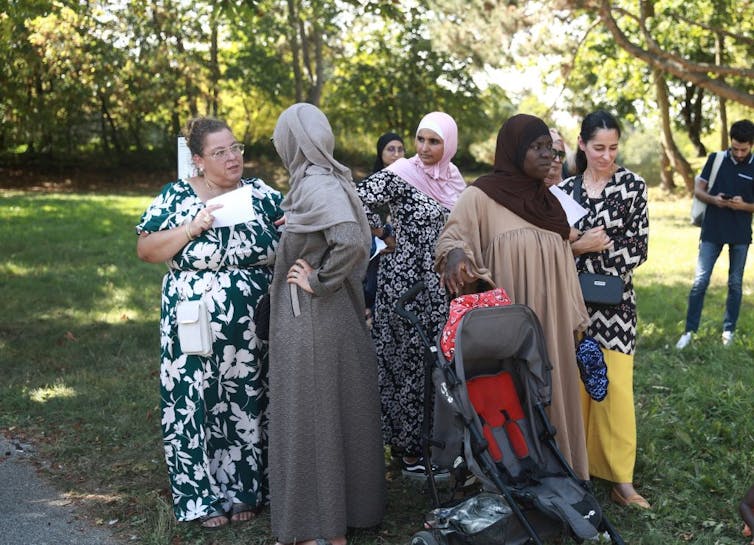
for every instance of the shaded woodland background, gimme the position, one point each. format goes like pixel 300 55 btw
pixel 109 84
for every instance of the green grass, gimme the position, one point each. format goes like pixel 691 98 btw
pixel 80 379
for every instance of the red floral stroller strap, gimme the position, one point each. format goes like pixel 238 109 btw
pixel 460 306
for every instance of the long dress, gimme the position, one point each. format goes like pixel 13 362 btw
pixel 535 267
pixel 327 467
pixel 214 408
pixel 417 220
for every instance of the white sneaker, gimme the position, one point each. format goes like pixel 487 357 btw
pixel 727 338
pixel 684 341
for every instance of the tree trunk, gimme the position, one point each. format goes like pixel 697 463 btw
pixel 190 88
pixel 295 49
pixel 676 160
pixel 666 171
pixel 214 67
pixel 110 123
pixel 692 117
pixel 723 108
pixel 103 129
pixel 175 119
pixel 724 143
pixel 315 89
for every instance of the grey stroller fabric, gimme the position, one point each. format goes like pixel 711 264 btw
pixel 487 338
pixel 500 353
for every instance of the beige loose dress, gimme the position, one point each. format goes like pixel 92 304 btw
pixel 536 268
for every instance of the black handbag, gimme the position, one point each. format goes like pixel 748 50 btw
pixel 262 317
pixel 598 289
pixel 601 289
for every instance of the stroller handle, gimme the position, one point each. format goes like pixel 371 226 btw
pixel 412 318
pixel 400 305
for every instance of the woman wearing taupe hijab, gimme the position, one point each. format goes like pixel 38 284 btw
pixel 510 231
pixel 326 459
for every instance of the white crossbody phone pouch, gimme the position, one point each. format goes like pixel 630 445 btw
pixel 192 317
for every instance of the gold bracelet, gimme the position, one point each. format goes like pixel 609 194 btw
pixel 187 230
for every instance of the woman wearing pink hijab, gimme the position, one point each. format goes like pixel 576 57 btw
pixel 419 193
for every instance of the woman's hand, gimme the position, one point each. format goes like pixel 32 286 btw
pixel 389 245
pixel 299 274
pixel 458 271
pixel 162 245
pixel 203 220
pixel 592 240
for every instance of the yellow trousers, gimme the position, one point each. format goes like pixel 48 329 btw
pixel 610 424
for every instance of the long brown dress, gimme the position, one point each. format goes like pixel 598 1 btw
pixel 536 268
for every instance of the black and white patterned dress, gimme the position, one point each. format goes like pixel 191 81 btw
pixel 622 210
pixel 417 220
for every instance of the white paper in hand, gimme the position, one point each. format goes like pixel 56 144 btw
pixel 379 245
pixel 237 207
pixel 574 211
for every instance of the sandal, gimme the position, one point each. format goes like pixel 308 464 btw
pixel 634 500
pixel 207 521
pixel 242 512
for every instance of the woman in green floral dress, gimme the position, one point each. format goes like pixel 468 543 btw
pixel 214 418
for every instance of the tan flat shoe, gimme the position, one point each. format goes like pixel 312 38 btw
pixel 634 500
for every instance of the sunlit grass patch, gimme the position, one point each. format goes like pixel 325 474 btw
pixel 44 394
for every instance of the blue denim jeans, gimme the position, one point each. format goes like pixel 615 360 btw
pixel 708 254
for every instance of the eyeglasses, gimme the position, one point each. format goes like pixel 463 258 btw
pixel 224 153
pixel 560 155
pixel 395 149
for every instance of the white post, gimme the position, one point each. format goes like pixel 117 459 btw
pixel 186 167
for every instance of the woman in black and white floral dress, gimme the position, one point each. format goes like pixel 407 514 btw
pixel 419 193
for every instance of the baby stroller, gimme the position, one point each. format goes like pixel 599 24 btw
pixel 492 383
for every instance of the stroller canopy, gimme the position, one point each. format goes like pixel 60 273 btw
pixel 490 340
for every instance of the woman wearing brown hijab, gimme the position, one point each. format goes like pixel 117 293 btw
pixel 508 230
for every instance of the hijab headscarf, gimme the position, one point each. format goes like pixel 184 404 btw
pixel 321 191
pixel 383 141
pixel 510 186
pixel 441 181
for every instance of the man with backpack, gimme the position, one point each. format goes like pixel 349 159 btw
pixel 726 186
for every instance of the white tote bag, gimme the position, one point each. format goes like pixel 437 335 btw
pixel 698 207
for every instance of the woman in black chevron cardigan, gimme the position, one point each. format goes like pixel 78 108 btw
pixel 614 241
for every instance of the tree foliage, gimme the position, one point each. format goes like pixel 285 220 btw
pixel 388 79
pixel 678 61
pixel 120 77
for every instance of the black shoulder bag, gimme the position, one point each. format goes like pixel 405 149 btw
pixel 598 289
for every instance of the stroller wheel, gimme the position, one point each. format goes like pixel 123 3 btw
pixel 425 538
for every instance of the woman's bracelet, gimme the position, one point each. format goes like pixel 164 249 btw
pixel 187 230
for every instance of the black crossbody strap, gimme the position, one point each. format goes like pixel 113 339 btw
pixel 577 189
